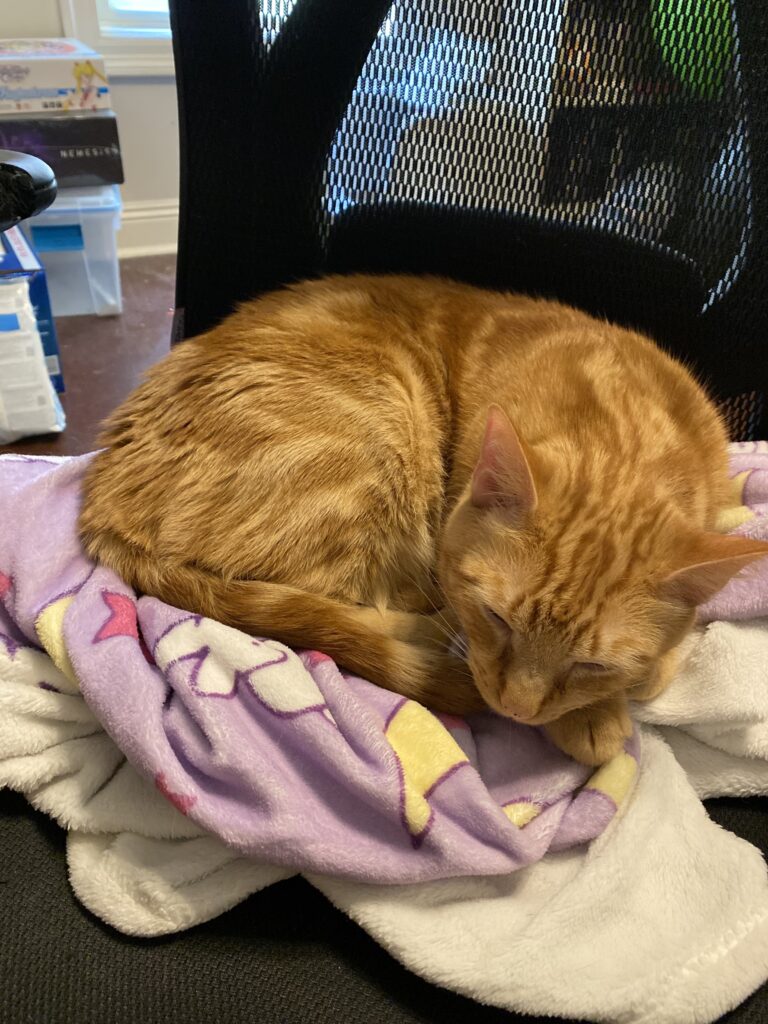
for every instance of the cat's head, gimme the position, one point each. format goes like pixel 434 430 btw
pixel 565 603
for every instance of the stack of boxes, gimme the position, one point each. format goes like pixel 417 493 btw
pixel 55 104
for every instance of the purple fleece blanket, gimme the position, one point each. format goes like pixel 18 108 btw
pixel 278 752
pixel 745 597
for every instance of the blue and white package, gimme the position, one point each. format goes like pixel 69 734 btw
pixel 28 401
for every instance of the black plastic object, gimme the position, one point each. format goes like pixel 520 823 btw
pixel 27 187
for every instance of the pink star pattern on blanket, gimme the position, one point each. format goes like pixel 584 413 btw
pixel 181 801
pixel 315 658
pixel 6 582
pixel 122 622
pixel 122 619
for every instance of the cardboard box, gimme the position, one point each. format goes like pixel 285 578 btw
pixel 50 75
pixel 82 149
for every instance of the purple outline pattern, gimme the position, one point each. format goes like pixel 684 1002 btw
pixel 241 676
pixel 13 646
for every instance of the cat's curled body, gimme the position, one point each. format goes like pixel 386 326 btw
pixel 338 460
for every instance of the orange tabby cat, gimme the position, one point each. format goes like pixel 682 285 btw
pixel 338 461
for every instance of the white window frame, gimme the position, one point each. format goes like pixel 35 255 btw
pixel 141 55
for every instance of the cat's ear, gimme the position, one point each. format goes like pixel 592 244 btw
pixel 710 562
pixel 502 477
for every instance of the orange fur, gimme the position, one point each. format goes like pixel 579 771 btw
pixel 321 468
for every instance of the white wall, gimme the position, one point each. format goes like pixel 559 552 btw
pixel 30 18
pixel 149 139
pixel 148 126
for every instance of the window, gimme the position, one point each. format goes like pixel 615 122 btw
pixel 134 36
pixel 134 18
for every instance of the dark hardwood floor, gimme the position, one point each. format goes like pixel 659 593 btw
pixel 103 358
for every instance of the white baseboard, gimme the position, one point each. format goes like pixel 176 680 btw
pixel 149 227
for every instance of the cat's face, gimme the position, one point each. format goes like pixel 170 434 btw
pixel 538 650
pixel 560 609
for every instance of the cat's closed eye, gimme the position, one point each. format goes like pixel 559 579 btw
pixel 496 619
pixel 594 667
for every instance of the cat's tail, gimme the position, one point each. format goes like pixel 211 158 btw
pixel 347 633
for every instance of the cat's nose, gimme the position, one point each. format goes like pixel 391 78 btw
pixel 521 708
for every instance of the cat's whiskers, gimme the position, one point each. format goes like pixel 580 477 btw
pixel 438 618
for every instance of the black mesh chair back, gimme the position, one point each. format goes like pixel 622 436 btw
pixel 609 153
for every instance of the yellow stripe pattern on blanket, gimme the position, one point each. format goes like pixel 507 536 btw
pixel 427 754
pixel 49 627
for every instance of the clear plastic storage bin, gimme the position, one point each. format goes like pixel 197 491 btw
pixel 76 240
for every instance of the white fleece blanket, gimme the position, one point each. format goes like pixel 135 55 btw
pixel 664 918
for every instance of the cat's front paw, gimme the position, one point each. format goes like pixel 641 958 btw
pixel 593 735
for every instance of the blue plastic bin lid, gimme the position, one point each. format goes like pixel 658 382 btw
pixel 99 199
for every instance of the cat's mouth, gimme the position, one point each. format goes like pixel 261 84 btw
pixel 524 717
pixel 531 720
pixel 543 715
